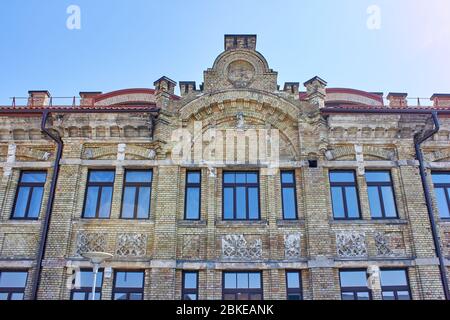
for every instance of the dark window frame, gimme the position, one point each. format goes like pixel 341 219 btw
pixel 127 291
pixel 193 185
pixel 186 291
pixel 342 185
pixel 9 290
pixel 100 185
pixel 396 289
pixel 247 186
pixel 88 290
pixel 292 185
pixel 236 291
pixel 379 186
pixel 446 187
pixel 31 185
pixel 294 291
pixel 354 290
pixel 137 185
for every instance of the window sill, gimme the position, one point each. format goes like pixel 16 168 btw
pixel 290 223
pixel 372 221
pixel 191 223
pixel 241 223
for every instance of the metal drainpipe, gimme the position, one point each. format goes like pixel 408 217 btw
pixel 436 239
pixel 51 197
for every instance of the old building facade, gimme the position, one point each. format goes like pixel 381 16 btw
pixel 278 194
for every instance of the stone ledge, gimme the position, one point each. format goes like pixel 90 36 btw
pixel 244 224
pixel 369 222
pixel 191 223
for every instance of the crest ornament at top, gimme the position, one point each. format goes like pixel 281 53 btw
pixel 241 73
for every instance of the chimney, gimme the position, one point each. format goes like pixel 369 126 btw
pixel 187 87
pixel 165 84
pixel 440 100
pixel 291 87
pixel 397 100
pixel 240 41
pixel 316 91
pixel 38 98
pixel 87 97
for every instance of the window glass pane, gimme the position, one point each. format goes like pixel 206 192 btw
pixel 230 280
pixel 345 176
pixel 442 203
pixel 135 296
pixel 388 295
pixel 129 279
pixel 363 295
pixel 97 296
pixel 35 203
pixel 241 177
pixel 17 296
pixel 192 203
pixel 3 296
pixel 389 202
pixel 242 280
pixel 21 202
pixel 190 296
pixel 193 177
pixel 86 278
pixel 138 176
pixel 378 176
pixel 105 202
pixel 254 280
pixel 78 296
pixel 403 295
pixel 34 177
pixel 143 208
pixel 287 177
pixel 347 296
pixel 120 296
pixel 393 278
pixel 374 202
pixel 353 279
pixel 190 280
pixel 129 195
pixel 241 203
pixel 229 177
pixel 289 211
pixel 352 202
pixel 101 176
pixel 228 203
pixel 13 279
pixel 253 203
pixel 293 280
pixel 338 202
pixel 441 177
pixel 294 296
pixel 91 202
pixel 252 177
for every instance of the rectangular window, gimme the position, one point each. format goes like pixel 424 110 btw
pixel 242 286
pixel 381 195
pixel 137 193
pixel 354 285
pixel 394 284
pixel 83 285
pixel 190 285
pixel 441 181
pixel 128 285
pixel 12 285
pixel 241 196
pixel 193 195
pixel 97 203
pixel 344 195
pixel 29 195
pixel 288 195
pixel 294 285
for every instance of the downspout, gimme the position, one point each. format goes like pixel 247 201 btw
pixel 418 140
pixel 51 197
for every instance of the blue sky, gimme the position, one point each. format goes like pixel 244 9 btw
pixel 127 44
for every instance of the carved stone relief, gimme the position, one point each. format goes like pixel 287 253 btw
pixel 238 246
pixel 90 242
pixel 351 244
pixel 131 245
pixel 292 246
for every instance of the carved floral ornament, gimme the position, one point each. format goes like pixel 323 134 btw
pixel 238 246
pixel 240 73
pixel 351 244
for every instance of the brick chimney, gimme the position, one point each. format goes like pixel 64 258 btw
pixel 316 91
pixel 397 100
pixel 87 98
pixel 240 41
pixel 187 87
pixel 440 100
pixel 165 84
pixel 38 98
pixel 291 89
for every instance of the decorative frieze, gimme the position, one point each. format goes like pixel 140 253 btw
pixel 238 246
pixel 190 248
pixel 351 244
pixel 292 246
pixel 19 244
pixel 90 242
pixel 389 244
pixel 131 245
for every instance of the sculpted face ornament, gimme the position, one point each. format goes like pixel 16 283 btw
pixel 241 73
